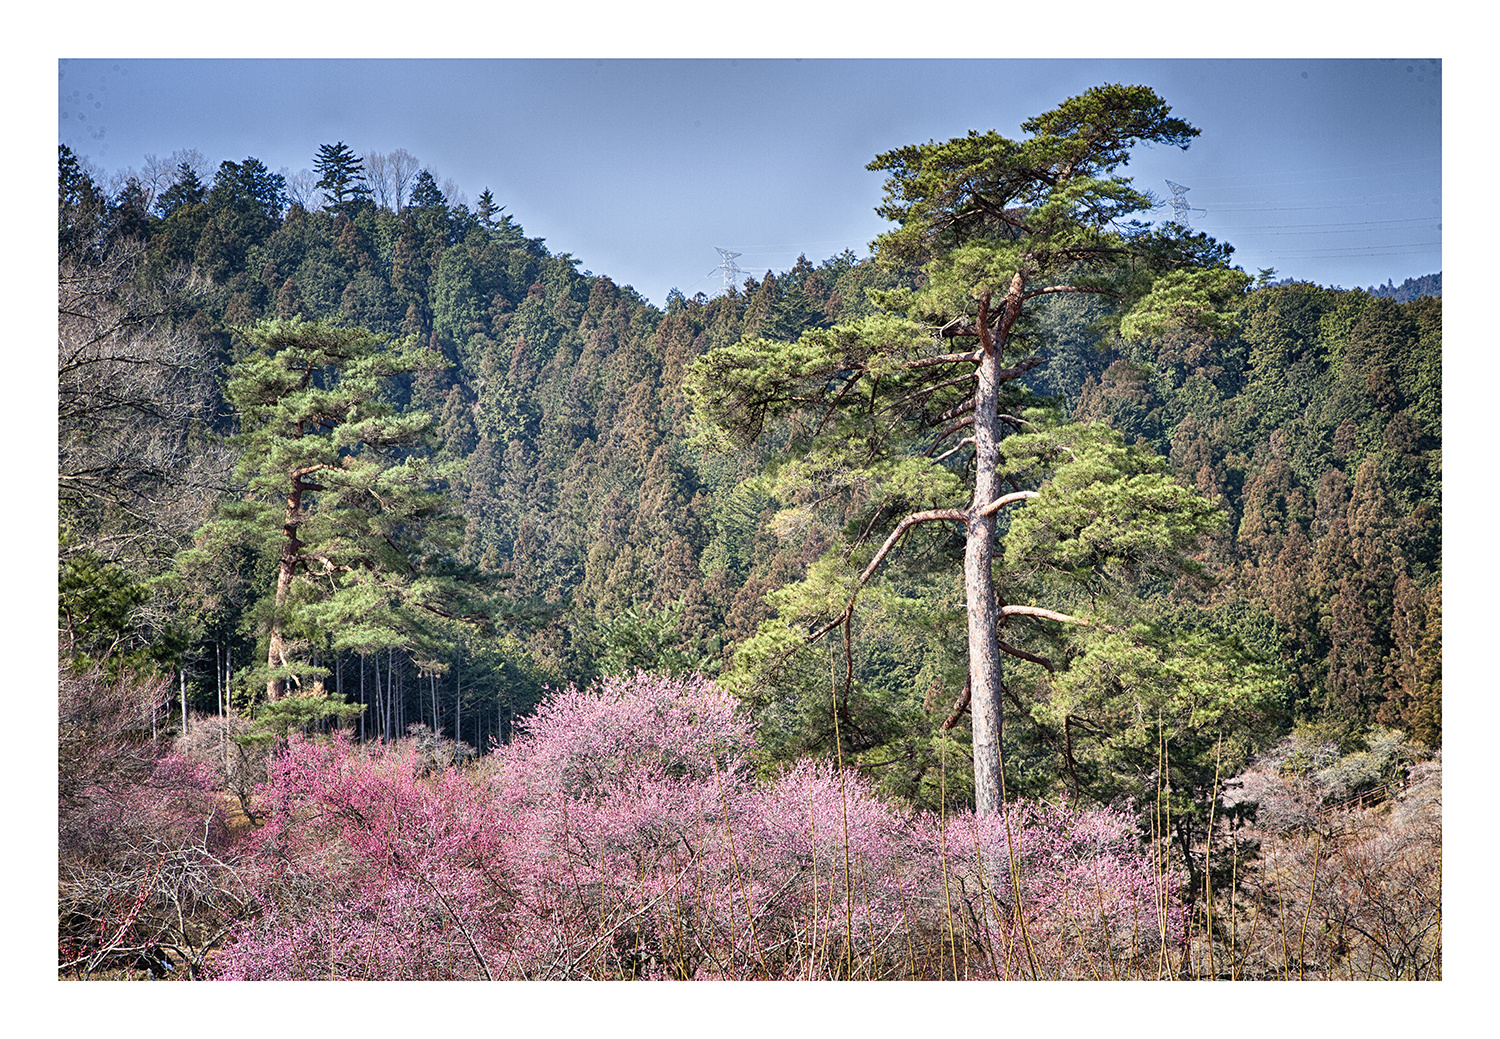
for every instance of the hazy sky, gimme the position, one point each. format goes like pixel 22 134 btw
pixel 1326 170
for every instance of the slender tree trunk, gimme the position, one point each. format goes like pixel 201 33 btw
pixel 379 710
pixel 276 648
pixel 291 558
pixel 979 585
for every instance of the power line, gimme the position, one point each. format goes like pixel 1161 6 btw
pixel 1294 234
pixel 1337 250
pixel 1272 205
pixel 1361 223
pixel 1281 175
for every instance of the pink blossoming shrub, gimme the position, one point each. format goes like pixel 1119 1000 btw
pixel 366 869
pixel 583 742
pixel 623 835
pixel 1047 891
pixel 832 867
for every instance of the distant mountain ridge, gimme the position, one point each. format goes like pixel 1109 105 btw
pixel 1408 290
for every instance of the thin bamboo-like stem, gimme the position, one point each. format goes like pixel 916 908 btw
pixel 1109 949
pixel 838 748
pixel 1164 808
pixel 1015 880
pixel 1208 858
pixel 812 830
pixel 943 854
pixel 738 876
pixel 1312 894
pixel 1235 960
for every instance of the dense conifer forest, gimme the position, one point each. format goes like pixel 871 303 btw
pixel 522 489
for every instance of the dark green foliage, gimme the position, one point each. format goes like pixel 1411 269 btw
pixel 82 209
pixel 425 194
pixel 341 178
pixel 342 492
pixel 103 618
pixel 1321 390
pixel 186 190
pixel 585 490
pixel 277 720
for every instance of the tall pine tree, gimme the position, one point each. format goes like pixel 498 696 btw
pixel 343 498
pixel 914 411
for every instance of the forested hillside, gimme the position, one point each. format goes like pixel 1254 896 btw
pixel 1317 427
pixel 582 519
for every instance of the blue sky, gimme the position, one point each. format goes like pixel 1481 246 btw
pixel 1325 170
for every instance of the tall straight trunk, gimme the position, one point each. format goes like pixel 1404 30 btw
pixel 291 559
pixel 276 645
pixel 979 584
pixel 985 670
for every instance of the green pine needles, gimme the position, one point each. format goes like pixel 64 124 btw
pixel 342 501
pixel 911 431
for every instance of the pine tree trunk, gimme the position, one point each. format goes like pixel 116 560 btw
pixel 290 547
pixel 979 585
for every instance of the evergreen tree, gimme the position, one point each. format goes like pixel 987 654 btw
pixel 254 195
pixel 82 209
pixel 995 225
pixel 488 213
pixel 186 190
pixel 342 497
pixel 341 178
pixel 425 193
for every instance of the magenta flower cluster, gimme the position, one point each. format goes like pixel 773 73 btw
pixel 624 835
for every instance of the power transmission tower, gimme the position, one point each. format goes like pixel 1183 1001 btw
pixel 728 266
pixel 1180 208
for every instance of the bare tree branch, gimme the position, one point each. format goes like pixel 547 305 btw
pixel 930 516
pixel 1037 611
pixel 1009 499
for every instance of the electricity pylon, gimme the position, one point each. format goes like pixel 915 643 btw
pixel 1180 208
pixel 729 267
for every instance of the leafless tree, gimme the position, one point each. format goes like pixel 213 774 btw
pixel 389 177
pixel 302 189
pixel 136 468
pixel 145 877
pixel 453 193
pixel 237 764
pixel 158 174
